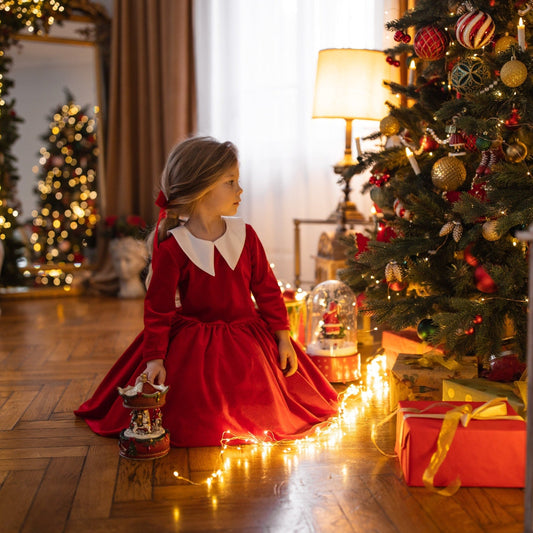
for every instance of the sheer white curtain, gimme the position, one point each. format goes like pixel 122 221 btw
pixel 256 66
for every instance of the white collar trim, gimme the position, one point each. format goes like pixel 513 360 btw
pixel 202 253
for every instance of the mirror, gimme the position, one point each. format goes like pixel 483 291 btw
pixel 72 58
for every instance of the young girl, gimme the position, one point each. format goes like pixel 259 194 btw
pixel 229 362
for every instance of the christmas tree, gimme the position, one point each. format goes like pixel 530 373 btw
pixel 64 226
pixel 15 16
pixel 10 246
pixel 452 184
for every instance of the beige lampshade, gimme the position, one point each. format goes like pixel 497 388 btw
pixel 349 84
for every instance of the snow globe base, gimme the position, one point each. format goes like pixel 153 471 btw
pixel 132 447
pixel 339 369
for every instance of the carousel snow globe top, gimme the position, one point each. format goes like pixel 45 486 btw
pixel 143 395
pixel 331 320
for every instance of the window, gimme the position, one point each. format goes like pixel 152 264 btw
pixel 256 66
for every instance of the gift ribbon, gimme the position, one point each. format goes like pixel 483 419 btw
pixel 495 409
pixel 432 359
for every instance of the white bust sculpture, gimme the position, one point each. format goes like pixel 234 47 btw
pixel 129 257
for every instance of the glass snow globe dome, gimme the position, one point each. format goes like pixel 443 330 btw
pixel 331 328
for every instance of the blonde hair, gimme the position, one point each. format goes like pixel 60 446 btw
pixel 193 167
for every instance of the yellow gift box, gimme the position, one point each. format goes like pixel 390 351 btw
pixel 481 390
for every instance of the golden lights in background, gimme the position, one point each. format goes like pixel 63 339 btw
pixel 66 189
pixel 238 452
pixel 31 11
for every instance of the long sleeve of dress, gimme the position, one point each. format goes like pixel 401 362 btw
pixel 265 287
pixel 159 303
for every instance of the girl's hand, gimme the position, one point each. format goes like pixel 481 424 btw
pixel 288 361
pixel 155 372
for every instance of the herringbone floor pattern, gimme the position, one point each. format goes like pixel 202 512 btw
pixel 56 476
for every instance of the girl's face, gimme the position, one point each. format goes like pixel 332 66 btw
pixel 224 198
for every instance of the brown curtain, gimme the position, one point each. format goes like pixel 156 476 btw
pixel 152 99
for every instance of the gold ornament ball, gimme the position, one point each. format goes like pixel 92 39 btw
pixel 448 173
pixel 489 232
pixel 389 126
pixel 516 152
pixel 513 73
pixel 504 43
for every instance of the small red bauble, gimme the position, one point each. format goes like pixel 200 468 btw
pixel 398 36
pixel 484 282
pixel 470 143
pixel 430 43
pixel 469 331
pixel 469 258
pixel 478 319
pixel 428 143
pixel 397 286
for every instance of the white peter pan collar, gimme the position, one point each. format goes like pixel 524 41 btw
pixel 202 253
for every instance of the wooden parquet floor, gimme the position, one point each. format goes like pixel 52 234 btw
pixel 56 476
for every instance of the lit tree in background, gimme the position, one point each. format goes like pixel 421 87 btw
pixel 10 246
pixel 65 223
pixel 15 16
pixel 453 182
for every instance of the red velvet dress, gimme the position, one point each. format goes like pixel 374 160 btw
pixel 220 353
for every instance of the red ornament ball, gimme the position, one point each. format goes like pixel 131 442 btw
pixel 470 143
pixel 398 36
pixel 469 331
pixel 430 43
pixel 474 29
pixel 397 286
pixel 484 283
pixel 477 319
pixel 469 258
pixel 428 143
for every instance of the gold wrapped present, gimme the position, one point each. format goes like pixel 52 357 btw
pixel 420 377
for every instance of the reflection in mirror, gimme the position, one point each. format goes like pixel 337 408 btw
pixel 60 99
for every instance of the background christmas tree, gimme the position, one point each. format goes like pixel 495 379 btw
pixel 10 245
pixel 453 183
pixel 64 225
pixel 15 16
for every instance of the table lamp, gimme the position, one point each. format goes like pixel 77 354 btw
pixel 349 85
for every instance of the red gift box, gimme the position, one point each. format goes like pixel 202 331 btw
pixel 486 453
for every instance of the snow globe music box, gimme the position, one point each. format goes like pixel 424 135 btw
pixel 145 437
pixel 331 334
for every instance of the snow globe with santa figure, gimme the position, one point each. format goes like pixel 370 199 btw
pixel 331 331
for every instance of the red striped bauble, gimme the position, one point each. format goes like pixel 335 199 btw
pixel 474 29
pixel 430 43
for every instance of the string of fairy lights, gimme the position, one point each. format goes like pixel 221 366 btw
pixel 353 402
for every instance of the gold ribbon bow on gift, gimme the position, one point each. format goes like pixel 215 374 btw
pixel 495 409
pixel 432 359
